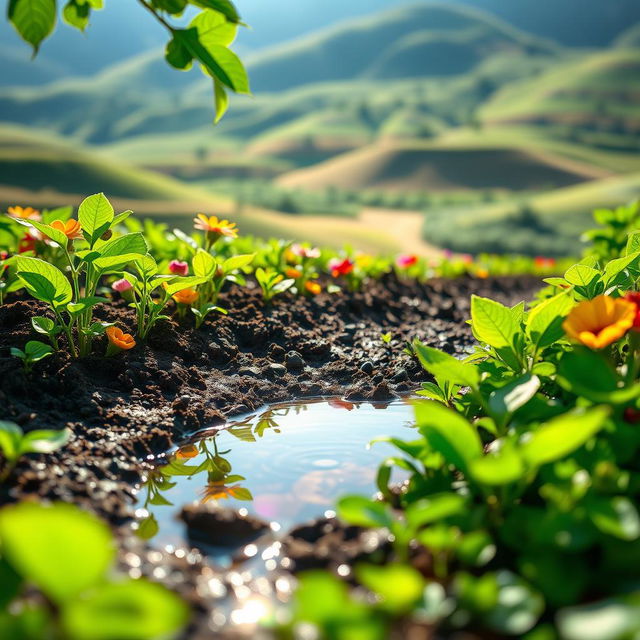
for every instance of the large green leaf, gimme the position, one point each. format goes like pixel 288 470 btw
pixel 44 281
pixel 445 367
pixel 581 275
pixel 513 395
pixel 616 516
pixel 133 609
pixel 204 264
pixel 53 234
pixel 225 7
pixel 502 467
pixel 34 20
pixel 59 548
pixel 544 323
pixel 214 29
pixel 95 216
pixel 44 440
pixel 398 586
pixel 492 322
pixel 563 435
pixel 10 437
pixel 448 433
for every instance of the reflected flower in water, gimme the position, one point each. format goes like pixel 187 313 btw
pixel 342 404
pixel 220 491
pixel 187 452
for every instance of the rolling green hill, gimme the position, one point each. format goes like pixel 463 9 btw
pixel 422 40
pixel 398 166
pixel 594 99
pixel 547 224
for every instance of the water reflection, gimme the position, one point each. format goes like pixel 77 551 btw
pixel 287 464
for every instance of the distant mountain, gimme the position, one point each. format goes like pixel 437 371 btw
pixel 123 29
pixel 629 39
pixel 430 39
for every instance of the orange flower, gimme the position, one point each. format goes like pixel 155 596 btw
pixel 187 452
pixel 186 296
pixel 26 213
pixel 293 273
pixel 119 339
pixel 71 228
pixel 482 273
pixel 599 322
pixel 215 226
pixel 313 287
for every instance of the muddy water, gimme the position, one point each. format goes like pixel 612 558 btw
pixel 287 464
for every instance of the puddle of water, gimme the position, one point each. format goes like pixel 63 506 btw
pixel 287 464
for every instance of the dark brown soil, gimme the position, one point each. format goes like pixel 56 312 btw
pixel 126 409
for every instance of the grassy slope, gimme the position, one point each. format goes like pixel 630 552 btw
pixel 594 88
pixel 560 217
pixel 432 167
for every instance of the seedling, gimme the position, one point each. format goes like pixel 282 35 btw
pixel 34 351
pixel 14 443
pixel 272 284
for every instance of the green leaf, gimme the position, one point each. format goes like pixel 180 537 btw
pixel 44 440
pixel 399 586
pixel 237 262
pixel 563 435
pixel 95 216
pixel 59 548
pixel 503 467
pixel 581 275
pixel 132 609
pixel 204 264
pixel 148 528
pixel 232 68
pixel 544 323
pixel 514 395
pixel 10 583
pixel 633 243
pixel 363 512
pixel 614 267
pixel 34 20
pixel 615 516
pixel 182 283
pixel 36 350
pixel 225 7
pixel 492 322
pixel 445 367
pixel 44 281
pixel 221 100
pixel 448 433
pixel 53 234
pixel 435 508
pixel 77 14
pixel 10 437
pixel 42 325
pixel 177 55
pixel 214 29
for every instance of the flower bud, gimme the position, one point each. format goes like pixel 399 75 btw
pixel 122 285
pixel 178 268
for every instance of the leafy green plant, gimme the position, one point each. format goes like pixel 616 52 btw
pixel 205 40
pixel 272 283
pixel 520 485
pixel 14 443
pixel 34 351
pixel 71 296
pixel 67 555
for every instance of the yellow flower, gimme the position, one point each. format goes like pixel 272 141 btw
pixel 26 213
pixel 213 225
pixel 364 260
pixel 186 296
pixel 70 228
pixel 599 322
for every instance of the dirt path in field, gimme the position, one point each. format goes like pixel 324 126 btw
pixel 404 226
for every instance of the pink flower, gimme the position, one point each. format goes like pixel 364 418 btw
pixel 406 261
pixel 447 253
pixel 340 267
pixel 467 258
pixel 179 268
pixel 122 285
pixel 305 252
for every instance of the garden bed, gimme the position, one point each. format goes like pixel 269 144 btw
pixel 125 410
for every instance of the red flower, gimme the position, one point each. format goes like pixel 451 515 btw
pixel 340 267
pixel 27 243
pixel 634 296
pixel 406 261
pixel 544 263
pixel 178 268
